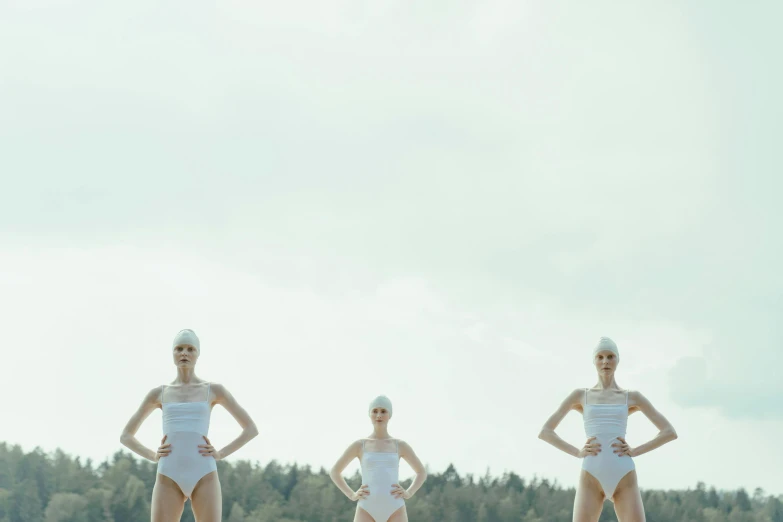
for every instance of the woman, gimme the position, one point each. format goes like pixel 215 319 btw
pixel 608 470
pixel 186 458
pixel 380 497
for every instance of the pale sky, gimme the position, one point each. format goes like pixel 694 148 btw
pixel 448 204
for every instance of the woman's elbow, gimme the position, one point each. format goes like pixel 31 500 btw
pixel 544 433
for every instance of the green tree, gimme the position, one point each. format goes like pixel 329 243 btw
pixel 99 505
pixel 131 502
pixel 119 489
pixel 5 505
pixel 237 514
pixel 773 509
pixel 271 512
pixel 6 477
pixel 66 507
pixel 26 503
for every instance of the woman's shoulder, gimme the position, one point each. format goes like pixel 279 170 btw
pixel 402 444
pixel 576 395
pixel 635 396
pixel 154 394
pixel 215 387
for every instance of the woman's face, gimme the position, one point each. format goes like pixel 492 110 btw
pixel 605 362
pixel 185 355
pixel 379 416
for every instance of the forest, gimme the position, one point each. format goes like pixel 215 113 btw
pixel 56 487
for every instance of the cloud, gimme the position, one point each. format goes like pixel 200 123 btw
pixel 739 382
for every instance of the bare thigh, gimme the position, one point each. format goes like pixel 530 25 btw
pixel 362 516
pixel 628 500
pixel 589 501
pixel 401 515
pixel 207 499
pixel 168 500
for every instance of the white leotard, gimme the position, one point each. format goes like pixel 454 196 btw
pixel 379 471
pixel 606 422
pixel 186 423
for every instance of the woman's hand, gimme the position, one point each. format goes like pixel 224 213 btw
pixel 623 448
pixel 163 449
pixel 207 450
pixel 589 448
pixel 400 492
pixel 362 492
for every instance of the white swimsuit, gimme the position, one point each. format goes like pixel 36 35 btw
pixel 606 422
pixel 186 423
pixel 379 471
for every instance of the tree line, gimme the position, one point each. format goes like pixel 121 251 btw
pixel 55 487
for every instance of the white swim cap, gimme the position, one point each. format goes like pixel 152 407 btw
pixel 606 344
pixel 187 336
pixel 381 401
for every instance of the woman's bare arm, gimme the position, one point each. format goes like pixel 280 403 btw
pixel 666 431
pixel 336 474
pixel 407 453
pixel 547 434
pixel 128 437
pixel 249 429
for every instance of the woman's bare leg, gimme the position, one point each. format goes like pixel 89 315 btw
pixel 362 516
pixel 628 500
pixel 168 501
pixel 401 515
pixel 589 501
pixel 207 499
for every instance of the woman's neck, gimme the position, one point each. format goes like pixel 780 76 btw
pixel 607 383
pixel 380 433
pixel 186 376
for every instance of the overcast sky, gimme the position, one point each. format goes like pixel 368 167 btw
pixel 446 203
